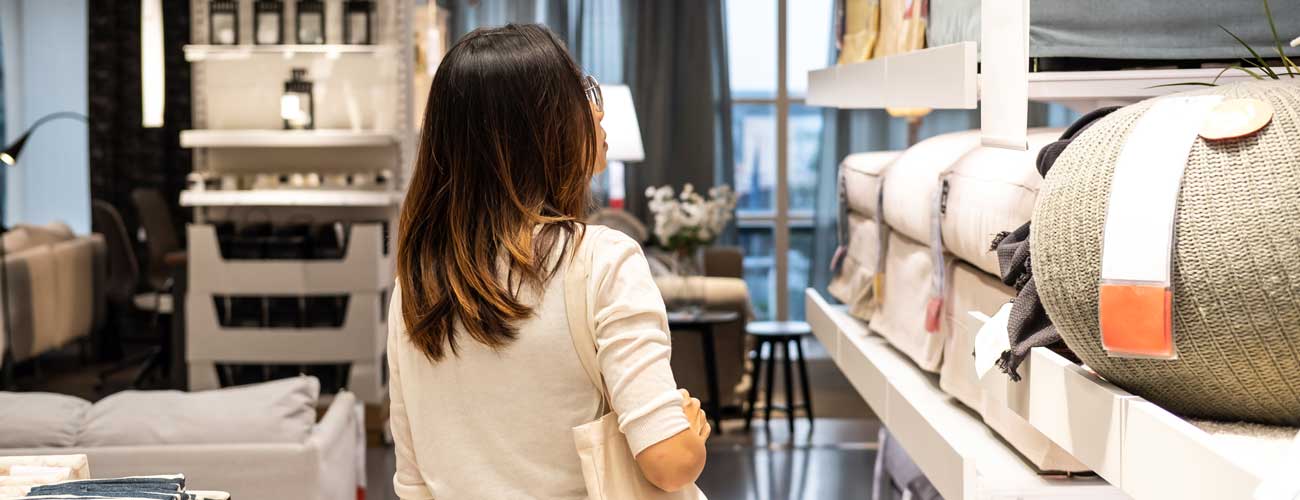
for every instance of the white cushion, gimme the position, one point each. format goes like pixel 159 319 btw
pixel 862 175
pixel 47 234
pixel 901 317
pixel 912 180
pixel 970 289
pixel 40 420
pixel 852 286
pixel 991 190
pixel 281 411
pixel 75 274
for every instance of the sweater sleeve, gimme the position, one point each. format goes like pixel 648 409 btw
pixel 407 481
pixel 633 346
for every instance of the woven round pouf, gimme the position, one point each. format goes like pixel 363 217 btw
pixel 1236 268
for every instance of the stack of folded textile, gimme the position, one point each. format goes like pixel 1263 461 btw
pixel 164 487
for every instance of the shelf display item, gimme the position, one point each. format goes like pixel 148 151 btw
pixel 310 22
pixel 223 22
pixel 268 22
pixel 858 261
pixel 1235 309
pixel 297 106
pixel 902 26
pixel 358 22
pixel 861 30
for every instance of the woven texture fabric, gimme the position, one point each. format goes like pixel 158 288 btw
pixel 1236 268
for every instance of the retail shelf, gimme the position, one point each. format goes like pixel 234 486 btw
pixel 197 53
pixel 360 342
pixel 1145 450
pixel 365 267
pixel 290 198
pixel 952 446
pixel 285 139
pixel 945 78
pixel 1126 85
pixel 940 77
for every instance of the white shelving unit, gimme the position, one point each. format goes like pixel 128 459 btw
pixel 963 458
pixel 286 139
pixel 197 53
pixel 290 198
pixel 950 77
pixel 1144 451
pixel 361 102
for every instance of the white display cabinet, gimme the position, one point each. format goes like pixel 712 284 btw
pixel 362 129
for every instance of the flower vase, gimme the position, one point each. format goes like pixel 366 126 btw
pixel 686 293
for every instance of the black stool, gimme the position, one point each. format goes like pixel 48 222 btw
pixel 778 336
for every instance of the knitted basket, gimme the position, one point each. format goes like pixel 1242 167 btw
pixel 1236 268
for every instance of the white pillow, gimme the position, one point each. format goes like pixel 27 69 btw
pixel 281 411
pixel 40 419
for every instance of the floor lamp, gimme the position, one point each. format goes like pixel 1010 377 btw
pixel 9 158
pixel 623 133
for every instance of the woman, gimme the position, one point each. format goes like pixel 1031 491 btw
pixel 484 380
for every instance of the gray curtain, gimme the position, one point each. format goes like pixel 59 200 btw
pixel 677 68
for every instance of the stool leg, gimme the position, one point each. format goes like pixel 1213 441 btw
pixel 756 360
pixel 803 379
pixel 771 371
pixel 789 384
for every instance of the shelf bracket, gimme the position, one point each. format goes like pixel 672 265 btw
pixel 1004 73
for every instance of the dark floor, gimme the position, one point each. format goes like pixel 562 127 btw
pixel 834 460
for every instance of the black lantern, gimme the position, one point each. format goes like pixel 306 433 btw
pixel 297 108
pixel 358 23
pixel 223 22
pixel 311 22
pixel 268 22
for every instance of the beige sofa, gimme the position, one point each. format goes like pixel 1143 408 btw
pixel 56 288
pixel 260 441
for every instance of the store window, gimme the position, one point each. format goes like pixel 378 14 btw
pixel 777 238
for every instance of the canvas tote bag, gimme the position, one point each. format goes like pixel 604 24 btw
pixel 608 466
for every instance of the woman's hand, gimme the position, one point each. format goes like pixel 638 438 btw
pixel 695 415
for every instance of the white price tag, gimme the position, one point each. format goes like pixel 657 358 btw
pixel 992 340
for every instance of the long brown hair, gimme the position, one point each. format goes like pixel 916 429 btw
pixel 506 155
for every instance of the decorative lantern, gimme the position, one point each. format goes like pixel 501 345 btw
pixel 311 22
pixel 358 22
pixel 223 22
pixel 268 22
pixel 297 108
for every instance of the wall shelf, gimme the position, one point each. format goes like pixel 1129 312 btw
pixel 1143 450
pixel 964 459
pixel 291 198
pixel 271 138
pixel 198 53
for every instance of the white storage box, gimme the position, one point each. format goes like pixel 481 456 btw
pixel 853 284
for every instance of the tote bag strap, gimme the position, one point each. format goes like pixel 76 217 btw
pixel 575 305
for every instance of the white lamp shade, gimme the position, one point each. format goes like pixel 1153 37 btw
pixel 622 131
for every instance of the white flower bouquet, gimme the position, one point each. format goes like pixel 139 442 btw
pixel 686 222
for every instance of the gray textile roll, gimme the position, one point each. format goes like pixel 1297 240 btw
pixel 1236 273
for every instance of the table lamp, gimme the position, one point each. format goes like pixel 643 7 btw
pixel 623 134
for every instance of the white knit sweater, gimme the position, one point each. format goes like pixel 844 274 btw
pixel 497 424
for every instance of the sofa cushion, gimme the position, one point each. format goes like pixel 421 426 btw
pixel 33 288
pixel 40 420
pixel 990 190
pixel 900 319
pixel 862 174
pixel 47 234
pixel 853 284
pixel 281 411
pixel 913 179
pixel 16 240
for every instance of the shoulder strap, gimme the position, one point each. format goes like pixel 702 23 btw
pixel 576 278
